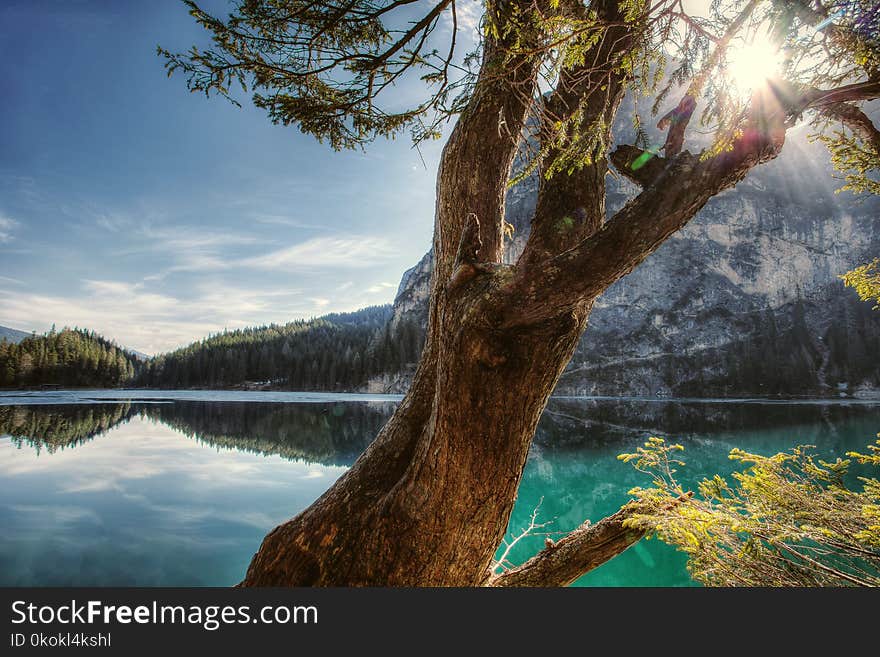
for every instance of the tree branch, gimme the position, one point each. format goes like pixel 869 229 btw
pixel 637 230
pixel 816 16
pixel 856 120
pixel 571 201
pixel 579 552
pixel 817 98
pixel 503 92
pixel 681 189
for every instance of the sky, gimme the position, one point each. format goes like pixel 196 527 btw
pixel 155 216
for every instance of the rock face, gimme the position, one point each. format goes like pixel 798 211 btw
pixel 745 300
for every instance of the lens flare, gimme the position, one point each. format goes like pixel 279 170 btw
pixel 751 64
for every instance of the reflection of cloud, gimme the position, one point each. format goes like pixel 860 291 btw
pixel 56 514
pixel 337 252
pixel 144 505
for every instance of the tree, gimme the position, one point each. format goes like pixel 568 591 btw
pixel 790 519
pixel 429 500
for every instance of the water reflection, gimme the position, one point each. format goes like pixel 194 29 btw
pixel 576 423
pixel 52 428
pixel 181 493
pixel 143 505
pixel 330 434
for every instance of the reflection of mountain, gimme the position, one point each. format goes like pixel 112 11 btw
pixel 57 427
pixel 580 422
pixel 330 434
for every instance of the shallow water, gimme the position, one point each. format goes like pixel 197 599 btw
pixel 178 488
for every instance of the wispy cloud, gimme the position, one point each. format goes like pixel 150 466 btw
pixel 7 227
pixel 191 249
pixel 154 322
pixel 190 238
pixel 381 287
pixel 113 223
pixel 467 16
pixel 282 220
pixel 337 252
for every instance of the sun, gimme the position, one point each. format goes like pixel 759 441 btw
pixel 750 64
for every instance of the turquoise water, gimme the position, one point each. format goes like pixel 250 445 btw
pixel 179 489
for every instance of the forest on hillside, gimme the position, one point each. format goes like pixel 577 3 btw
pixel 335 352
pixel 70 357
pixel 339 351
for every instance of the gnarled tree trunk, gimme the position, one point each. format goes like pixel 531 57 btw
pixel 428 502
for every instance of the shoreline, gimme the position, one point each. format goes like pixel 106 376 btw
pixel 12 396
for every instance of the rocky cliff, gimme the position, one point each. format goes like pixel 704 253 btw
pixel 745 300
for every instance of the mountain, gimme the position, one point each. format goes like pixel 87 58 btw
pixel 340 351
pixel 745 300
pixel 12 335
pixel 140 355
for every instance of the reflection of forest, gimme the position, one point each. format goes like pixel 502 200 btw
pixel 58 426
pixel 335 434
pixel 331 434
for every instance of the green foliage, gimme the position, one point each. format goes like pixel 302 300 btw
pixel 324 66
pixel 790 519
pixel 71 357
pixel 857 159
pixel 866 281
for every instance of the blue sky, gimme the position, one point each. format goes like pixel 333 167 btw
pixel 155 216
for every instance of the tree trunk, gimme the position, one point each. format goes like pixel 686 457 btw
pixel 429 501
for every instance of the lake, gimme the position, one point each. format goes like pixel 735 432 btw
pixel 178 488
